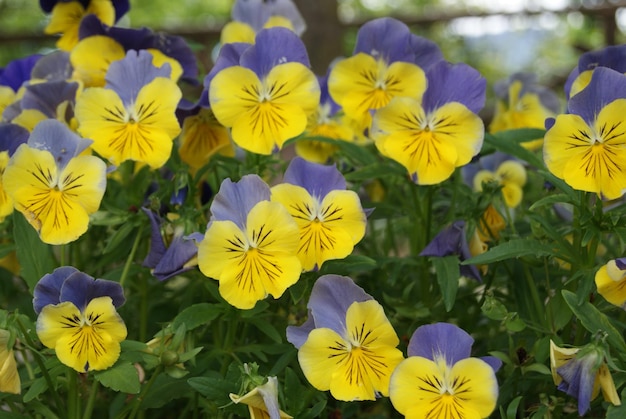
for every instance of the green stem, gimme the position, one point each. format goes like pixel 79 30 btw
pixel 92 398
pixel 144 391
pixel 143 308
pixel 44 371
pixel 131 256
pixel 63 260
pixel 532 286
pixel 73 401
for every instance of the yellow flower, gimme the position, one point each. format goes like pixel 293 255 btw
pixel 9 377
pixel 511 175
pixel 202 137
pixel 611 282
pixel 262 401
pixel 84 340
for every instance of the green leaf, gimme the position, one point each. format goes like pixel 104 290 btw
pixel 118 237
pixel 550 200
pixel 617 412
pixel 314 411
pixel 197 315
pixel 35 256
pixel 349 265
pixel 165 389
pixel 39 386
pixel 448 274
pixel 215 389
pixel 538 368
pixel 376 170
pixel 120 377
pixel 593 320
pixel 264 326
pixel 511 410
pixel 512 249
pixel 493 309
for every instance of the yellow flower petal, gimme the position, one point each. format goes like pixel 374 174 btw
pixel 237 32
pixel 9 378
pixel 580 82
pixel 355 366
pixel 429 146
pixel 6 203
pixel 143 131
pixel 360 83
pixel 91 58
pixel 251 265
pixel 202 137
pixel 607 385
pixel 611 283
pixel 29 118
pixel 66 18
pixel 56 204
pixel 83 341
pixel 559 357
pixel 159 58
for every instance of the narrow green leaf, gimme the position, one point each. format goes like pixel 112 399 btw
pixel 349 265
pixel 550 200
pixel 213 388
pixel 512 249
pixel 35 257
pixel 120 377
pixel 264 326
pixel 448 273
pixel 39 386
pixel 511 410
pixel 118 237
pixel 593 320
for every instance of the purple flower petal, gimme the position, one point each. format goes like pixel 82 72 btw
pixel 330 299
pixel 53 66
pixel 578 379
pixel 229 55
pixel 80 288
pixel 606 85
pixel 12 136
pixel 157 245
pixel 121 6
pixel 55 137
pixel 18 71
pixel 454 83
pixel 529 85
pixel 621 263
pixel 127 76
pixel 274 46
pixel 297 335
pixel 257 12
pixel 441 340
pixel 180 252
pixel 235 199
pixel 317 179
pixel 48 289
pixel 613 57
pixel 494 363
pixel 46 97
pixel 392 40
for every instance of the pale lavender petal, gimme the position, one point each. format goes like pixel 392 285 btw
pixel 606 85
pixel 613 56
pixel 80 288
pixel 53 66
pixel 330 299
pixel 621 263
pixel 441 340
pixel 274 46
pixel 55 137
pixel 46 97
pixel 317 179
pixel 454 83
pixel 48 289
pixel 447 242
pixel 578 379
pixel 229 56
pixel 127 76
pixel 426 53
pixel 12 136
pixel 385 37
pixel 257 12
pixel 297 335
pixel 235 199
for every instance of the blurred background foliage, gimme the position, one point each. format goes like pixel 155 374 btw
pixel 496 37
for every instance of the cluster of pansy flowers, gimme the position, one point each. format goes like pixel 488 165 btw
pixel 112 94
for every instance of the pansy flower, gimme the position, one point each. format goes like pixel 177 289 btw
pixel 387 61
pixel 250 16
pixel 77 317
pixel 452 240
pixel 522 103
pixel 52 185
pixel 328 121
pixel 250 245
pixel 347 345
pixel 587 146
pixel 611 282
pixel 9 377
pixel 67 16
pixel 133 116
pixel 582 373
pixel 12 78
pixel 267 96
pixel 166 261
pixel 434 136
pixel 502 170
pixel 330 218
pixel 262 397
pixel 11 137
pixel 439 379
pixel 612 56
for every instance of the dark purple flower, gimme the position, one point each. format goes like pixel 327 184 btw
pixel 613 57
pixel 12 136
pixel 452 241
pixel 165 261
pixel 330 299
pixel 121 6
pixel 69 284
pixel 47 96
pixel 18 71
